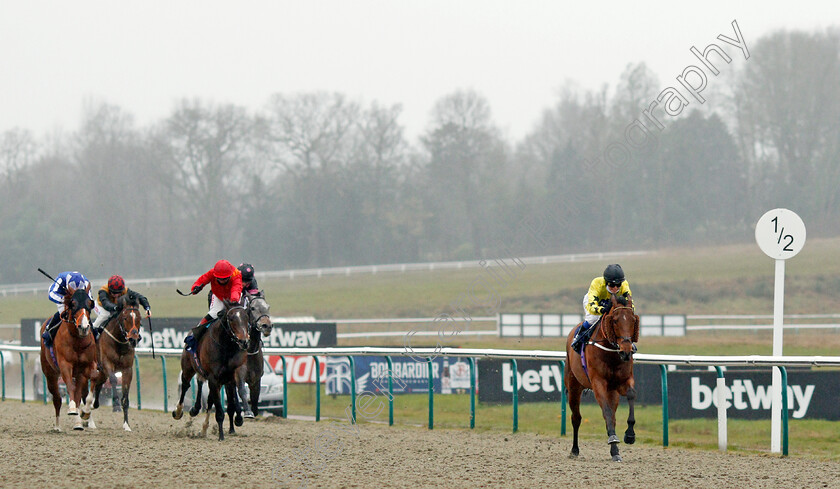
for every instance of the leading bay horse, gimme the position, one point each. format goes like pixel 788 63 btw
pixel 75 356
pixel 607 369
pixel 220 352
pixel 116 352
pixel 259 319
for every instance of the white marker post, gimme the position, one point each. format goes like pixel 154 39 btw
pixel 780 234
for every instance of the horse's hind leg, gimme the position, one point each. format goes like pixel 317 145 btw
pixel 186 376
pixel 573 395
pixel 52 386
pixel 630 434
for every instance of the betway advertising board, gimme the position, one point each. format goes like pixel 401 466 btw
pixel 170 333
pixel 541 381
pixel 811 394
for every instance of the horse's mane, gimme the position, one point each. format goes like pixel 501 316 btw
pixel 129 299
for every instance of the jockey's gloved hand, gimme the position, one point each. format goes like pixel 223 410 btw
pixel 148 312
pixel 196 290
pixel 605 304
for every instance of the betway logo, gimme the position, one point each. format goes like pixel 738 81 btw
pixel 281 338
pixel 547 377
pixel 757 396
pixel 166 338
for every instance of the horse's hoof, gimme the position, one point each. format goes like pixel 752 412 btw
pixel 629 439
pixel 194 412
pixel 616 458
pixel 248 415
pixel 85 415
pixel 612 439
pixel 79 428
pixel 96 404
pixel 177 414
pixel 126 427
pixel 237 420
pixel 116 408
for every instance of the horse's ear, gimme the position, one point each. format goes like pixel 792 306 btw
pixel 607 327
pixel 65 314
pixel 636 328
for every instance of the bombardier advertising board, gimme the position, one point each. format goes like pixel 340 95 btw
pixel 170 333
pixel 449 375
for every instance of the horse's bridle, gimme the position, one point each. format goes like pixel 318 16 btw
pixel 120 324
pixel 620 339
pixel 254 324
pixel 243 345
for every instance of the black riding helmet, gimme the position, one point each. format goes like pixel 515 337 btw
pixel 247 271
pixel 614 275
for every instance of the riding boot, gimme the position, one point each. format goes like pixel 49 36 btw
pixel 50 329
pixel 196 333
pixel 580 335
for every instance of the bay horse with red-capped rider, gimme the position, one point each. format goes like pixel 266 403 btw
pixel 606 367
pixel 220 352
pixel 116 352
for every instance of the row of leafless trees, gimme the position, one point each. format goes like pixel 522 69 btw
pixel 317 179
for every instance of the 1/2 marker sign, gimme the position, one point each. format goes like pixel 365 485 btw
pixel 780 233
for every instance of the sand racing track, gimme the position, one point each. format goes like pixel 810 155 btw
pixel 162 452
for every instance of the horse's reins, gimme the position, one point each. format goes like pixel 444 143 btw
pixel 616 350
pixel 122 329
pixel 228 328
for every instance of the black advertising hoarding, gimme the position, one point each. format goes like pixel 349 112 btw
pixel 811 394
pixel 301 335
pixel 540 381
pixel 170 333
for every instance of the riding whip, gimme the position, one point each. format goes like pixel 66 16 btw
pixel 46 274
pixel 151 335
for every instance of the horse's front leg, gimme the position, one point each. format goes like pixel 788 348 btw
pixel 233 407
pixel 115 398
pixel 630 434
pixel 90 376
pixel 77 399
pixel 608 400
pixel 126 389
pixel 199 396
pixel 69 383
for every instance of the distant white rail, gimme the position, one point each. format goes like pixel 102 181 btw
pixel 41 287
